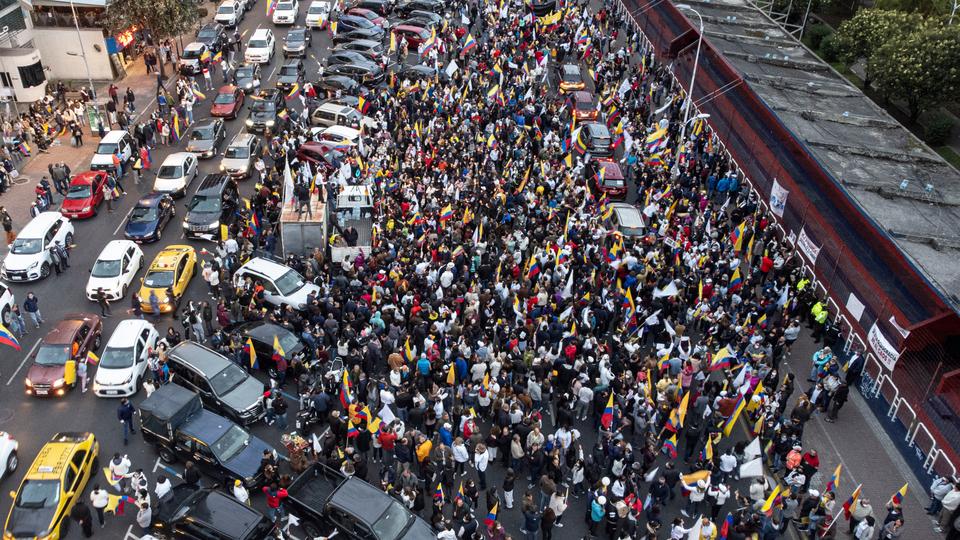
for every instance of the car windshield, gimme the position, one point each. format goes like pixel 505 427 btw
pixel 245 73
pixel 285 6
pixel 613 182
pixel 288 341
pixel 392 522
pixel 170 171
pixel 224 99
pixel 263 106
pixel 228 379
pixel 39 494
pixel 318 9
pixel 52 355
pixel 225 10
pixel 295 37
pixel 104 269
pixel 158 279
pixel 288 70
pixel 144 214
pixel 116 358
pixel 26 246
pixel 234 152
pixel 79 191
pixel 258 44
pixel 202 203
pixel 289 283
pixel 107 148
pixel 207 34
pixel 571 76
pixel 204 133
pixel 191 54
pixel 231 443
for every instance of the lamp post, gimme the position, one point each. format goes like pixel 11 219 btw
pixel 83 52
pixel 693 75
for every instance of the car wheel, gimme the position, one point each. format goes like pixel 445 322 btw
pixel 64 527
pixel 7 317
pixel 159 233
pixel 45 270
pixel 273 373
pixel 311 529
pixel 68 240
pixel 12 462
pixel 96 342
pixel 123 291
pixel 139 384
pixel 167 456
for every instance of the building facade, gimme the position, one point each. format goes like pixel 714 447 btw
pixel 23 76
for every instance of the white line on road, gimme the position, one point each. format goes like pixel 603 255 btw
pixel 130 535
pixel 24 361
pixel 124 220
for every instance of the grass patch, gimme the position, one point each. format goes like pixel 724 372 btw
pixel 950 155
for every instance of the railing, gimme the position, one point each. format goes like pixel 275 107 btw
pixel 876 382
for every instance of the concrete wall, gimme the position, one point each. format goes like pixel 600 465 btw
pixel 55 43
pixel 9 62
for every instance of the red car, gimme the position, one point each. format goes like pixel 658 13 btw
pixel 415 35
pixel 228 102
pixel 583 105
pixel 369 15
pixel 605 176
pixel 84 195
pixel 323 153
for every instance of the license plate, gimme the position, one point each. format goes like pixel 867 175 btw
pixel 298 424
pixel 14 277
pixel 112 392
pixel 41 392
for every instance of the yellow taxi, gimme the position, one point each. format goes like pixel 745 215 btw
pixel 570 78
pixel 170 272
pixel 52 485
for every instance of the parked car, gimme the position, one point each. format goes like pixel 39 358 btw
pixel 228 102
pixel 241 155
pixel 176 173
pixel 297 43
pixel 332 83
pixel 114 270
pixel 53 484
pixel 337 57
pixel 408 7
pixel 265 111
pixel 174 421
pixel 415 35
pixel 215 204
pixel 323 154
pixel 213 35
pixel 205 137
pixel 247 78
pixel 383 7
pixel 363 72
pixel 194 58
pixel 369 49
pixel 371 16
pixel 427 17
pixel 149 216
pixel 349 23
pixel 262 334
pixel 170 272
pixel 84 195
pixel 29 257
pixel 53 368
pixel 188 512
pixel 286 12
pixel 318 15
pixel 123 364
pixel 325 499
pixel 281 284
pixel 372 33
pixel 223 386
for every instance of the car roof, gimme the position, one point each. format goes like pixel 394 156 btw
pixel 204 360
pixel 317 3
pixel 85 177
pixel 204 124
pixel 63 332
pixel 365 42
pixel 39 225
pixel 261 33
pixel 582 96
pixel 212 184
pixel 355 493
pixel 114 250
pixel 409 28
pixel 150 199
pixel 51 459
pixel 337 108
pixel 113 136
pixel 269 93
pixel 242 139
pixel 611 169
pixel 597 129
pixel 266 267
pixel 628 215
pixel 169 257
pixel 344 131
pixel 176 158
pixel 206 426
pixel 227 89
pixel 195 46
pixel 232 519
pixel 127 333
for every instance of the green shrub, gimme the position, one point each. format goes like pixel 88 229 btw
pixel 936 129
pixel 816 33
pixel 828 48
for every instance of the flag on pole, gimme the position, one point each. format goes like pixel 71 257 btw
pixel 771 501
pixel 346 397
pixel 738 408
pixel 897 498
pixel 277 349
pixel 492 515
pixel 851 503
pixel 352 430
pixel 438 493
pixel 252 354
pixel 7 338
pixel 834 481
pixel 607 417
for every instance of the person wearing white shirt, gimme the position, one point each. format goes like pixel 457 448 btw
pixel 163 486
pixel 460 455
pixel 481 458
pixel 728 464
pixel 99 498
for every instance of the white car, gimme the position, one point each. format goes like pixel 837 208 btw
pixel 115 269
pixel 230 13
pixel 176 173
pixel 29 258
pixel 8 454
pixel 6 303
pixel 261 47
pixel 318 14
pixel 123 363
pixel 286 12
pixel 342 135
pixel 281 284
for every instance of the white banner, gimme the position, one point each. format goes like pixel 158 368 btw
pixel 855 306
pixel 886 352
pixel 806 245
pixel 778 198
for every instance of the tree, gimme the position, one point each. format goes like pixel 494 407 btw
pixel 922 68
pixel 859 36
pixel 162 18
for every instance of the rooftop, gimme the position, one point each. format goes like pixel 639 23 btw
pixel 865 149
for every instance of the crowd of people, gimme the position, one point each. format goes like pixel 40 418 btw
pixel 509 356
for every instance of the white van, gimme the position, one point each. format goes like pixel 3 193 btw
pixel 29 258
pixel 261 47
pixel 115 143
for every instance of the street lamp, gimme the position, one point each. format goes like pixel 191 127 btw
pixel 693 75
pixel 83 52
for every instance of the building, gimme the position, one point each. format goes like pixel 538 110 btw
pixel 872 212
pixel 23 77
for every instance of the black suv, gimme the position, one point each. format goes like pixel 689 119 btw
pixel 213 35
pixel 223 386
pixel 214 204
pixel 290 74
pixel 188 512
pixel 265 112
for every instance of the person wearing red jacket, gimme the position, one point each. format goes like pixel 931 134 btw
pixel 275 497
pixel 388 440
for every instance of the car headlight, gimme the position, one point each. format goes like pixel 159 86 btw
pixel 223 167
pixel 128 379
pixel 85 209
pixel 248 86
pixel 57 384
pixel 270 122
pixel 166 300
pixel 249 122
pixel 28 382
pixel 214 225
pixel 34 265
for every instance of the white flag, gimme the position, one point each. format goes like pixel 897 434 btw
pixel 287 183
pixel 752 449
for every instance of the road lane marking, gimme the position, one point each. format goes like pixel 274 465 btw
pixel 24 361
pixel 159 465
pixel 130 535
pixel 124 220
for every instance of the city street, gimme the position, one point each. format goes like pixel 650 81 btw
pixel 32 421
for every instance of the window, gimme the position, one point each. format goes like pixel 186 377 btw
pixel 78 458
pixel 69 478
pixel 32 75
pixel 5 79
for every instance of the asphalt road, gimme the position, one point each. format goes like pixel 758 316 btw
pixel 33 421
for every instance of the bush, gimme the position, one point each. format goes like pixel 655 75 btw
pixel 828 48
pixel 816 33
pixel 936 129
